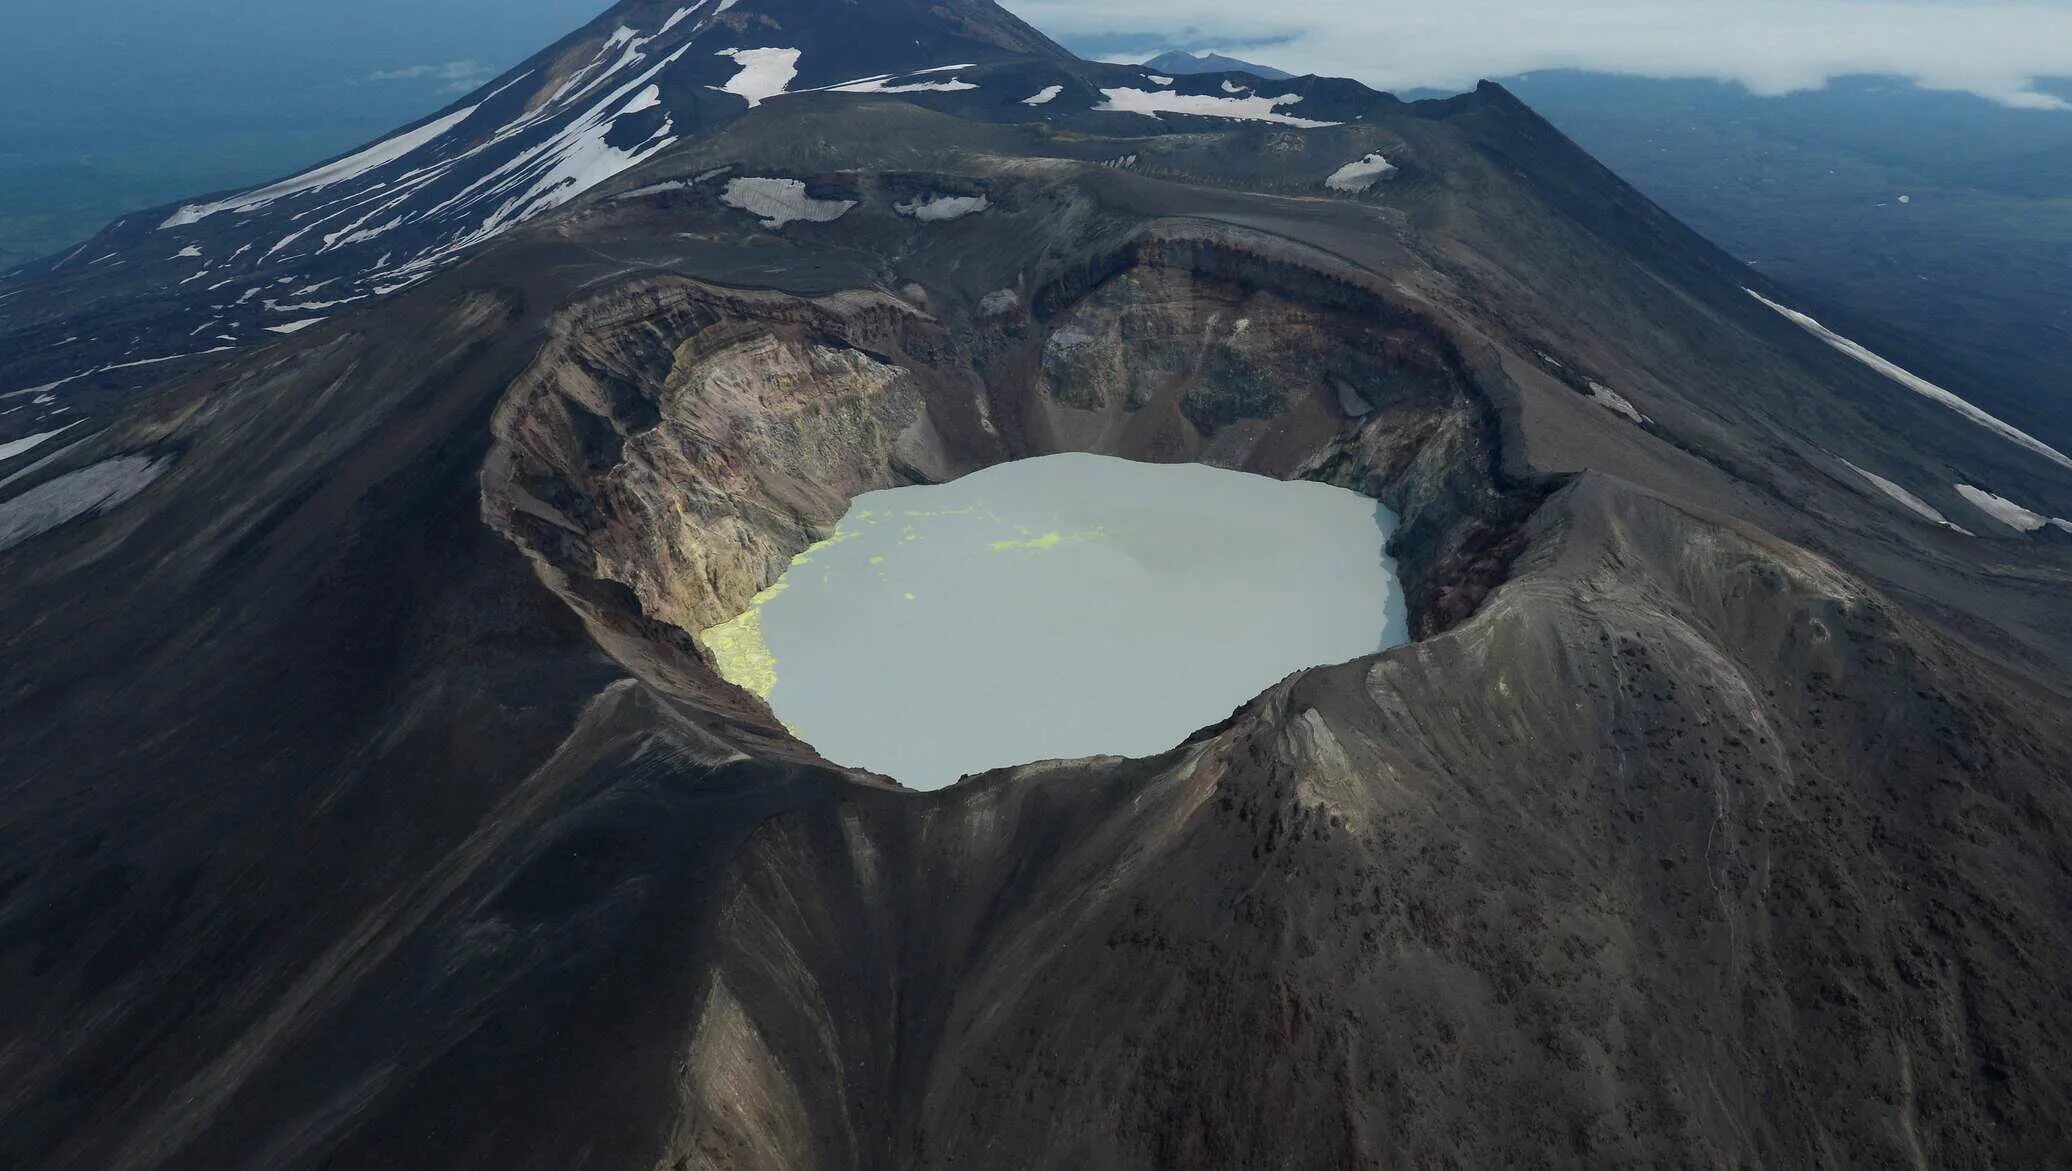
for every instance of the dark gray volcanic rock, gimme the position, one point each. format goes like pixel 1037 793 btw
pixel 368 802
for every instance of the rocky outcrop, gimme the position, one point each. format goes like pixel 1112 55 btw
pixel 686 444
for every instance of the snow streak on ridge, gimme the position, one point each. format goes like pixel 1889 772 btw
pixel 1918 384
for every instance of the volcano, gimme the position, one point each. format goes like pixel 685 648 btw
pixel 371 802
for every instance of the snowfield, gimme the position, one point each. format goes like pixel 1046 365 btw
pixel 1360 174
pixel 1255 108
pixel 15 447
pixel 98 488
pixel 2005 511
pixel 931 209
pixel 764 73
pixel 782 201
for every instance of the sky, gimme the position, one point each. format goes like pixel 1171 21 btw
pixel 1995 50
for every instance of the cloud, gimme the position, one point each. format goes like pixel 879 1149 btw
pixel 1996 50
pixel 456 74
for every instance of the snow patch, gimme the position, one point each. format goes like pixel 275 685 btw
pixel 1914 503
pixel 306 306
pixel 95 489
pixel 646 99
pixel 1155 79
pixel 781 201
pixel 1231 87
pixel 364 234
pixel 43 394
pixel 883 85
pixel 764 72
pixel 286 240
pixel 1255 108
pixel 930 209
pixel 2002 509
pixel 187 253
pixel 40 391
pixel 153 361
pixel 1361 174
pixel 653 189
pixel 1611 400
pixel 294 326
pixel 1917 384
pixel 44 461
pixel 15 447
pixel 677 17
pixel 1044 96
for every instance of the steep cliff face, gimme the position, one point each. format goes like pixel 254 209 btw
pixel 685 443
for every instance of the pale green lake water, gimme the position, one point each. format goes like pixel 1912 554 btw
pixel 1072 605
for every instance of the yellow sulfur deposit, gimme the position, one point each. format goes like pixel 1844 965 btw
pixel 1047 541
pixel 738 650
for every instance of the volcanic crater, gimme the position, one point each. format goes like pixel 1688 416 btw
pixel 677 443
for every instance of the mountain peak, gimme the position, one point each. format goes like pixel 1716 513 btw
pixel 638 79
pixel 1181 62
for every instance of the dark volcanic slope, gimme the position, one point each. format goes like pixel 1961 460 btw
pixel 368 804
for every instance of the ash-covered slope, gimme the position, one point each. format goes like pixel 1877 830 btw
pixel 368 803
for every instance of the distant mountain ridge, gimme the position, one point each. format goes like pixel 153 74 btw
pixel 1181 62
